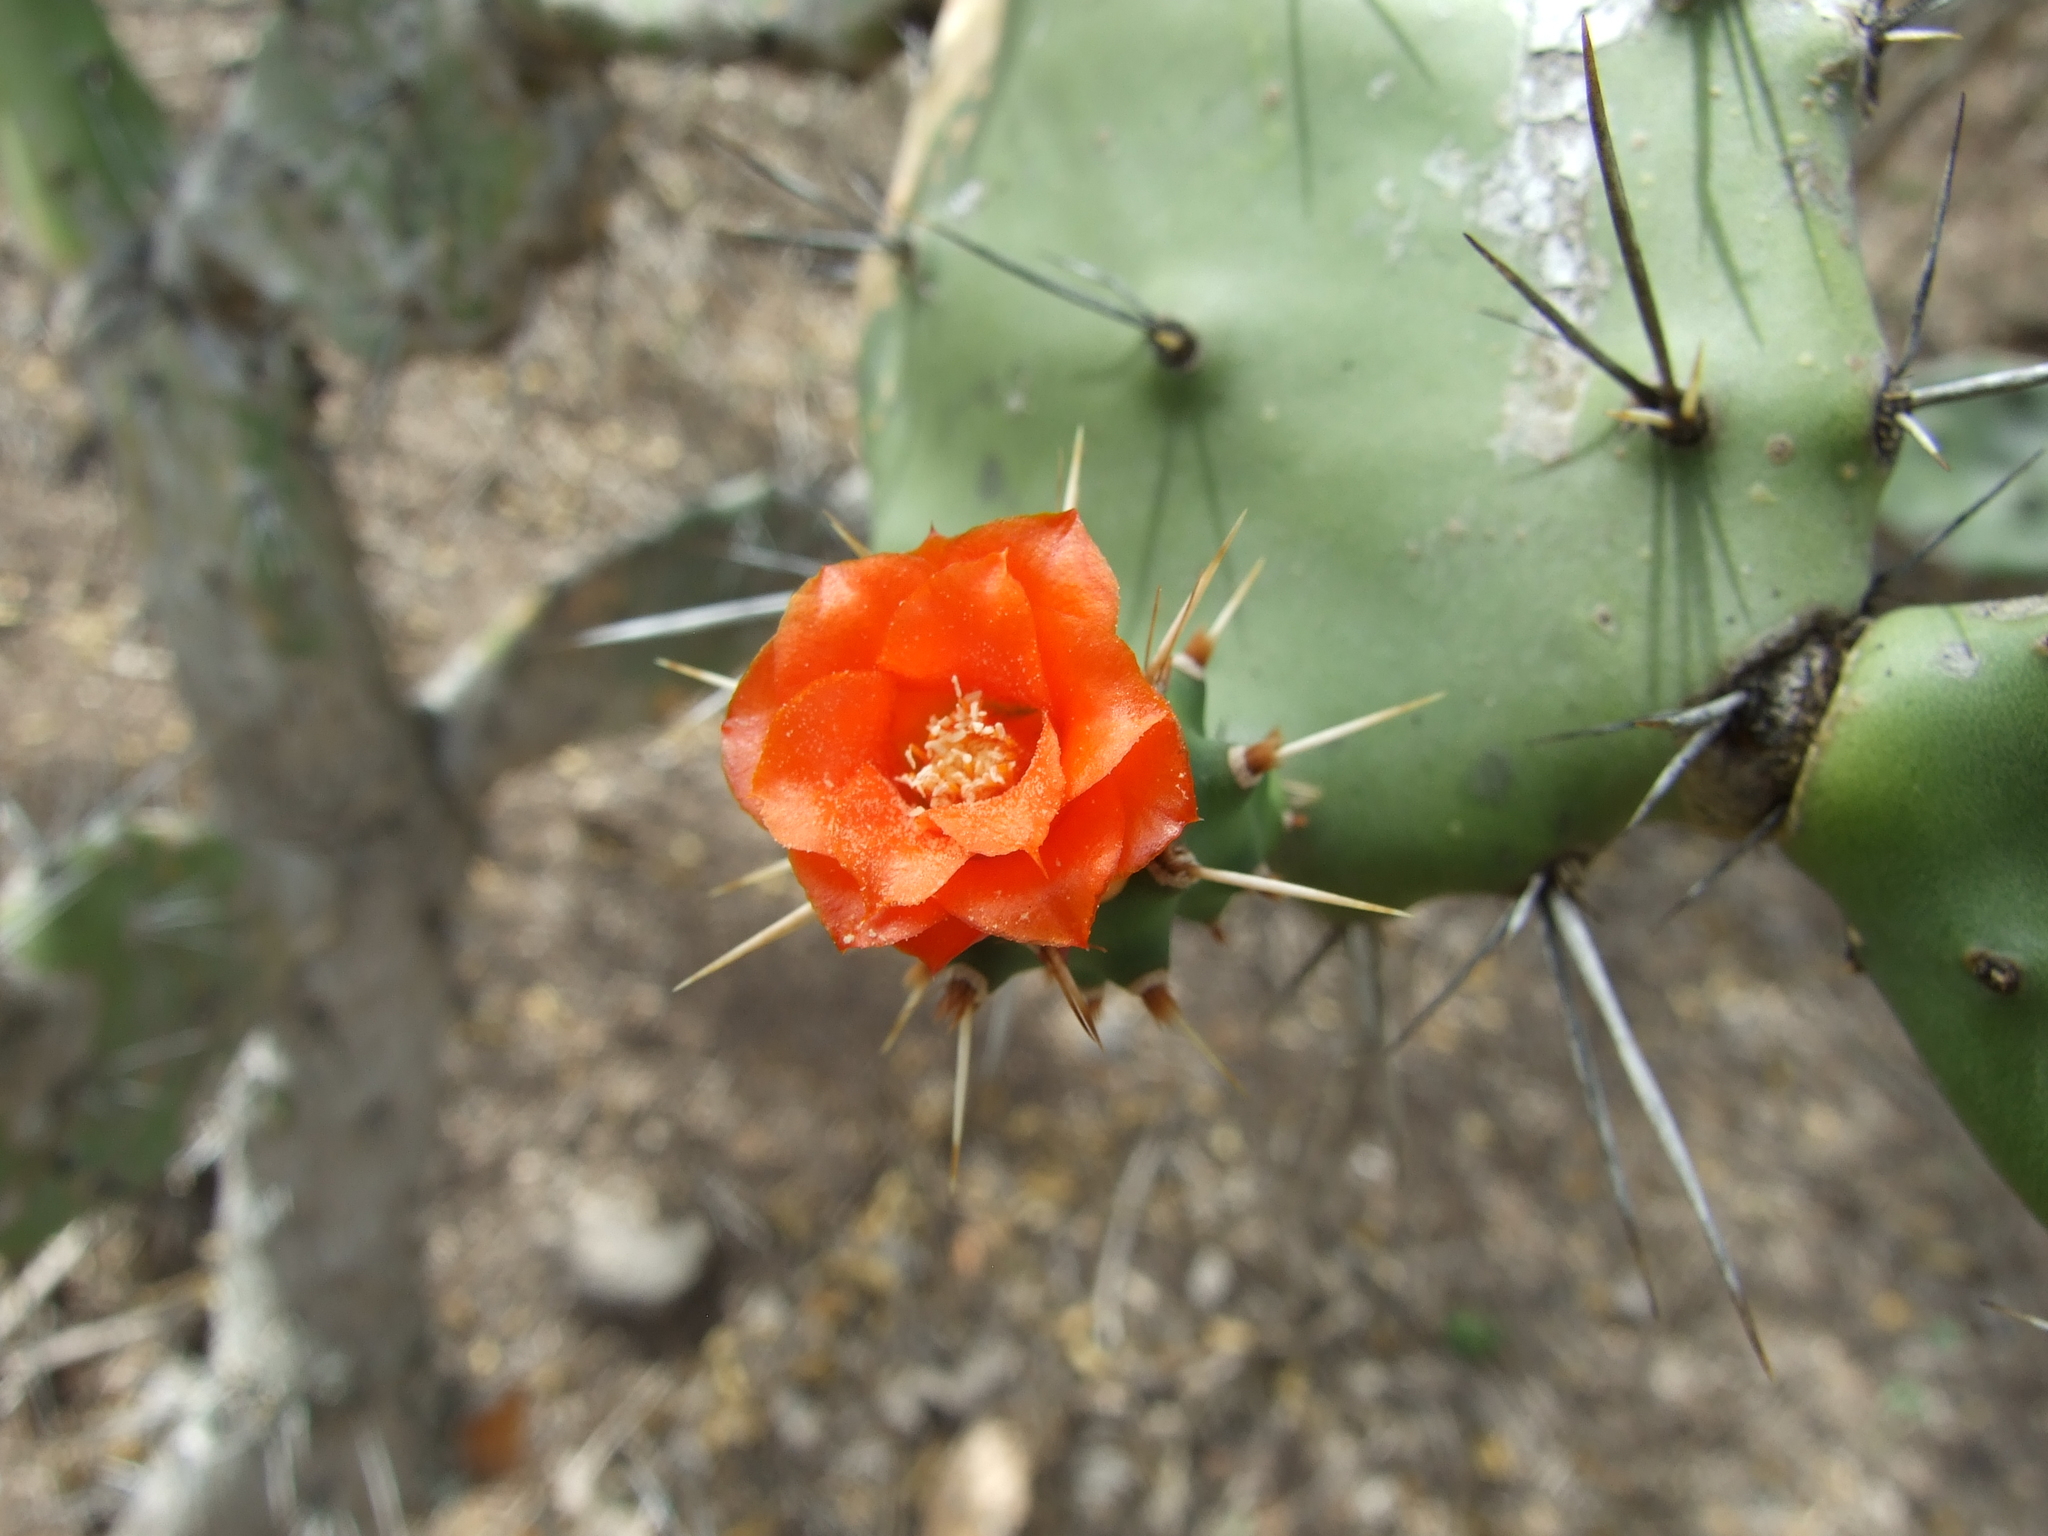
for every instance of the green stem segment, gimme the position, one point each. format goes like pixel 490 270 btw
pixel 1921 810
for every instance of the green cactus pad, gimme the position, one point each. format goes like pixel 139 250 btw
pixel 1442 499
pixel 135 919
pixel 1924 811
pixel 84 149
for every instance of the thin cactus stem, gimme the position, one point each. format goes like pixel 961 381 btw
pixel 1265 885
pixel 799 187
pixel 761 876
pixel 1120 1240
pixel 380 1481
pixel 1160 1002
pixel 2007 381
pixel 1138 319
pixel 1925 288
pixel 1516 322
pixel 702 675
pixel 1512 921
pixel 1367 954
pixel 1332 937
pixel 18 831
pixel 961 1070
pixel 1063 977
pixel 685 621
pixel 1235 601
pixel 1624 222
pixel 1646 394
pixel 1751 841
pixel 1585 956
pixel 913 995
pixel 840 242
pixel 1336 733
pixel 1886 23
pixel 1587 1066
pixel 1689 402
pixel 1718 708
pixel 1917 430
pixel 1173 342
pixel 1950 528
pixel 845 534
pixel 781 928
pixel 961 1065
pixel 2015 1314
pixel 1102 278
pixel 782 560
pixel 1691 718
pixel 1401 40
pixel 1162 658
pixel 1676 769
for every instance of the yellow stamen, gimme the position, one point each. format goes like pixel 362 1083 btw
pixel 965 757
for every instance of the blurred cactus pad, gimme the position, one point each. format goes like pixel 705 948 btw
pixel 1435 480
pixel 127 975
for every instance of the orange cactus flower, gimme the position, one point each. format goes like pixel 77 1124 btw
pixel 954 743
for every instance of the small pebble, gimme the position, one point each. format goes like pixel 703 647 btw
pixel 1211 1275
pixel 625 1259
pixel 984 1486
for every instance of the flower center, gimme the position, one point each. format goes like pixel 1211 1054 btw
pixel 965 757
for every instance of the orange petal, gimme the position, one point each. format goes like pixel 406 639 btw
pixel 1019 817
pixel 847 914
pixel 839 619
pixel 1101 703
pixel 1053 557
pixel 813 750
pixel 942 943
pixel 820 790
pixel 899 859
pixel 746 728
pixel 1051 900
pixel 973 622
pixel 1157 791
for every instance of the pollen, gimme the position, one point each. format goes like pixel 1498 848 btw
pixel 965 757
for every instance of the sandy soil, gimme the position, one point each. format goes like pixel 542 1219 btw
pixel 1349 1298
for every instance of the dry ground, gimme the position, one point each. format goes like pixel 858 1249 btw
pixel 1352 1300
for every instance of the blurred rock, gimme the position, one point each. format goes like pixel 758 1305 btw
pixel 907 1395
pixel 1103 1478
pixel 984 1486
pixel 1210 1279
pixel 799 1426
pixel 626 1260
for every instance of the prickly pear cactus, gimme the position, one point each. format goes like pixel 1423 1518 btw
pixel 1554 390
pixel 123 973
pixel 1443 498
